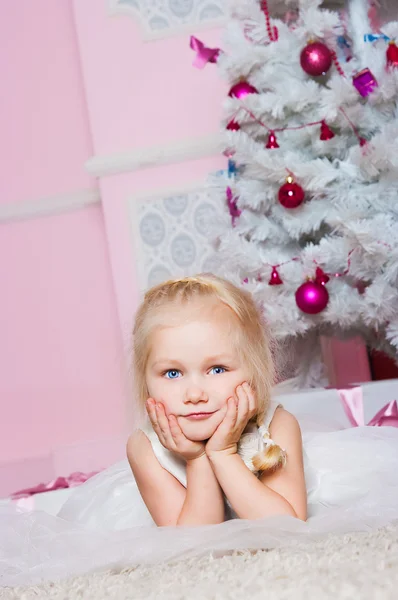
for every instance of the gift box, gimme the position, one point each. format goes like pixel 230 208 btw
pixel 340 409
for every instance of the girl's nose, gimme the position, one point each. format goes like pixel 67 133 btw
pixel 195 393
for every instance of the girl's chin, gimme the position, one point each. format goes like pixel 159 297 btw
pixel 199 432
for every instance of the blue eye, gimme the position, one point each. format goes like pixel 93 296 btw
pixel 172 374
pixel 218 370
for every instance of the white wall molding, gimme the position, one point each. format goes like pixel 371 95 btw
pixel 169 190
pixel 151 156
pixel 51 205
pixel 162 20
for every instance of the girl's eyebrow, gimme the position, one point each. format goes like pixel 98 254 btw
pixel 220 358
pixel 166 361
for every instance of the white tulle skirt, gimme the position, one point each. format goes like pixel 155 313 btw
pixel 352 480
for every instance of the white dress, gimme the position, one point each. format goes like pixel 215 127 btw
pixel 352 482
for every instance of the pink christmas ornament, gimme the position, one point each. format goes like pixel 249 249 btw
pixel 321 276
pixel 234 211
pixel 272 142
pixel 365 82
pixel 326 132
pixel 275 278
pixel 392 55
pixel 316 59
pixel 291 194
pixel 241 89
pixel 204 55
pixel 312 297
pixel 233 125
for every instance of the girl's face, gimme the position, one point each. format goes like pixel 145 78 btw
pixel 193 366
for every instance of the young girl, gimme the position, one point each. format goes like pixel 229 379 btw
pixel 214 446
pixel 204 371
pixel 217 452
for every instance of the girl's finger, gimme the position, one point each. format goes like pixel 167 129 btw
pixel 232 413
pixel 175 429
pixel 161 418
pixel 243 405
pixel 165 433
pixel 150 407
pixel 252 398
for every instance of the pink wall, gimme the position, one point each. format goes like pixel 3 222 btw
pixel 142 94
pixel 44 137
pixel 138 93
pixel 61 356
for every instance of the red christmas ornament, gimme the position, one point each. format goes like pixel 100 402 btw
pixel 316 59
pixel 233 126
pixel 321 277
pixel 326 132
pixel 241 89
pixel 291 194
pixel 312 297
pixel 275 278
pixel 272 143
pixel 392 55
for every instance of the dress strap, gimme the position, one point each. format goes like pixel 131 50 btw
pixel 270 414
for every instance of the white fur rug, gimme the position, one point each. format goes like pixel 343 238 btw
pixel 360 566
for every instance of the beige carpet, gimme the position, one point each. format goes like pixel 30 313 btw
pixel 360 566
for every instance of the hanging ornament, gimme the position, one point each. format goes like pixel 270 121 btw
pixel 326 132
pixel 272 31
pixel 365 82
pixel 204 55
pixel 272 143
pixel 291 194
pixel 232 168
pixel 321 276
pixel 241 89
pixel 312 297
pixel 229 153
pixel 316 59
pixel 275 278
pixel 392 55
pixel 233 126
pixel 232 206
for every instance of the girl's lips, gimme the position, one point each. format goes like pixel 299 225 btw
pixel 199 416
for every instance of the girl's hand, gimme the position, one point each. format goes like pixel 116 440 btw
pixel 170 434
pixel 240 410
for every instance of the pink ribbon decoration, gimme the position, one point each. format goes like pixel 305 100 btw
pixel 56 484
pixel 232 206
pixel 203 54
pixel 352 400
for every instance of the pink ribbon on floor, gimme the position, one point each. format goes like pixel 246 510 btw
pixel 352 400
pixel 203 54
pixel 56 484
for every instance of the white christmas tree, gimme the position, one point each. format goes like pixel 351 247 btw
pixel 311 131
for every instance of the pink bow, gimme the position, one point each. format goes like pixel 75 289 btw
pixel 203 54
pixel 234 211
pixel 56 484
pixel 352 400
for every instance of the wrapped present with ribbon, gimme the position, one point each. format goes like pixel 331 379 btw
pixel 352 400
pixel 369 404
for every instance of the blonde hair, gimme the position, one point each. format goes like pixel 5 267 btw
pixel 254 344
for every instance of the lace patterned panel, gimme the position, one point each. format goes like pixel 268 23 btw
pixel 163 18
pixel 171 236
